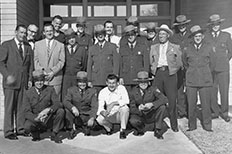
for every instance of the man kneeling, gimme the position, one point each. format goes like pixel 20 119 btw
pixel 43 109
pixel 112 106
pixel 147 105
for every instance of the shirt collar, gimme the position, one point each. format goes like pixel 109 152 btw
pixel 134 43
pixel 17 41
pixel 103 43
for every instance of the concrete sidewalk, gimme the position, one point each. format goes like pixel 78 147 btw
pixel 173 143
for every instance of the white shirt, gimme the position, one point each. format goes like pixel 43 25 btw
pixel 162 55
pixel 105 96
pixel 51 42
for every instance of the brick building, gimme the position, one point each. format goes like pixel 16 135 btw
pixel 13 12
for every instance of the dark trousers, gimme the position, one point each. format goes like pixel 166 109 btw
pixel 221 80
pixel 204 93
pixel 56 122
pixel 14 111
pixel 155 116
pixel 68 81
pixel 181 96
pixel 167 84
pixel 79 121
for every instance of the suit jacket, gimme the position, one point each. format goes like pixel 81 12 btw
pixel 35 103
pixel 173 58
pixel 102 62
pixel 86 104
pixel 222 47
pixel 199 64
pixel 12 64
pixel 151 95
pixel 132 61
pixel 54 62
pixel 181 40
pixel 85 40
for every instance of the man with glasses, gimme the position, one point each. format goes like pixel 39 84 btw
pixel 31 35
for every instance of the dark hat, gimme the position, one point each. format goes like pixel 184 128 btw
pixel 181 20
pixel 165 28
pixel 69 33
pixel 215 19
pixel 82 76
pixel 38 75
pixel 142 76
pixel 81 21
pixel 195 30
pixel 99 29
pixel 132 20
pixel 150 26
pixel 129 29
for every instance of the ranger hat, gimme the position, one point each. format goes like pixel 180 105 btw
pixel 215 19
pixel 82 76
pixel 150 26
pixel 81 21
pixel 181 20
pixel 99 29
pixel 69 33
pixel 38 75
pixel 132 20
pixel 196 29
pixel 143 76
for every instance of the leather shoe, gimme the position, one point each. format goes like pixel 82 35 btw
pixel 71 134
pixel 214 116
pixel 122 135
pixel 208 130
pixel 86 131
pixel 225 118
pixel 191 129
pixel 138 133
pixel 23 134
pixel 35 136
pixel 55 138
pixel 158 134
pixel 109 132
pixel 175 129
pixel 11 137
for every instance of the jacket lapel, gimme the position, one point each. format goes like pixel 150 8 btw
pixel 15 48
pixel 52 50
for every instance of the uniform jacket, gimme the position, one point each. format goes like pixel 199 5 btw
pixel 35 103
pixel 181 40
pixel 151 95
pixel 140 39
pixel 153 41
pixel 173 58
pixel 54 62
pixel 102 62
pixel 75 62
pixel 198 64
pixel 85 40
pixel 222 47
pixel 132 61
pixel 12 64
pixel 86 104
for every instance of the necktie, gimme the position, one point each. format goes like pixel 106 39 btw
pixel 49 47
pixel 214 34
pixel 101 46
pixel 109 39
pixel 72 51
pixel 131 46
pixel 20 50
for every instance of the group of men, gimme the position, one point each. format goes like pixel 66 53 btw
pixel 72 80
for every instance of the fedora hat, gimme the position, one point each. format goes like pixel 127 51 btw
pixel 132 20
pixel 81 21
pixel 82 76
pixel 38 75
pixel 195 30
pixel 143 76
pixel 99 29
pixel 165 28
pixel 69 33
pixel 129 29
pixel 215 19
pixel 181 20
pixel 150 26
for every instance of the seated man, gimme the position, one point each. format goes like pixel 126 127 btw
pixel 43 109
pixel 80 105
pixel 147 105
pixel 112 106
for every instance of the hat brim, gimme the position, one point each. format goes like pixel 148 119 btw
pixel 143 80
pixel 82 80
pixel 150 29
pixel 181 23
pixel 215 22
pixel 167 30
pixel 199 31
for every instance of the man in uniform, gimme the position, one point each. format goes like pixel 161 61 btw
pixel 152 36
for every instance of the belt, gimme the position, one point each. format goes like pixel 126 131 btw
pixel 162 68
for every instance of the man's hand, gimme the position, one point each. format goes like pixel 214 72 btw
pixel 114 110
pixel 121 81
pixel 148 106
pixel 90 122
pixel 104 113
pixel 141 107
pixel 45 111
pixel 75 111
pixel 49 76
pixel 10 79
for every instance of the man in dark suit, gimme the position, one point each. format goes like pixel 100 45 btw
pixel 147 105
pixel 222 47
pixel 75 61
pixel 80 105
pixel 43 109
pixel 16 66
pixel 152 36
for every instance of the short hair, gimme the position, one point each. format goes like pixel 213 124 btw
pixel 57 17
pixel 47 25
pixel 20 25
pixel 112 77
pixel 108 21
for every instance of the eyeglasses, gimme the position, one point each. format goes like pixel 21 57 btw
pixel 32 31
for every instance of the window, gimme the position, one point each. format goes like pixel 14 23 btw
pixel 149 10
pixel 89 11
pixel 76 11
pixel 134 10
pixel 121 11
pixel 107 11
pixel 61 10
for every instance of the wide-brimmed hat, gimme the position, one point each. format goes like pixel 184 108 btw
pixel 82 76
pixel 99 29
pixel 38 75
pixel 81 21
pixel 165 28
pixel 215 19
pixel 69 33
pixel 132 20
pixel 130 28
pixel 150 26
pixel 181 20
pixel 143 76
pixel 195 30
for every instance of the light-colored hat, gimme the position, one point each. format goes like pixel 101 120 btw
pixel 143 76
pixel 69 33
pixel 181 20
pixel 38 75
pixel 81 21
pixel 132 20
pixel 129 28
pixel 150 26
pixel 82 76
pixel 215 19
pixel 165 28
pixel 195 30
pixel 99 29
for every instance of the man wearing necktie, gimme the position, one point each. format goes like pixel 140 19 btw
pixel 222 47
pixel 198 58
pixel 165 60
pixel 16 66
pixel 31 35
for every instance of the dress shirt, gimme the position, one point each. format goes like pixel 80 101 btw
pixel 162 55
pixel 17 43
pixel 74 48
pixel 215 34
pixel 197 46
pixel 51 42
pixel 105 96
pixel 133 44
pixel 102 44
